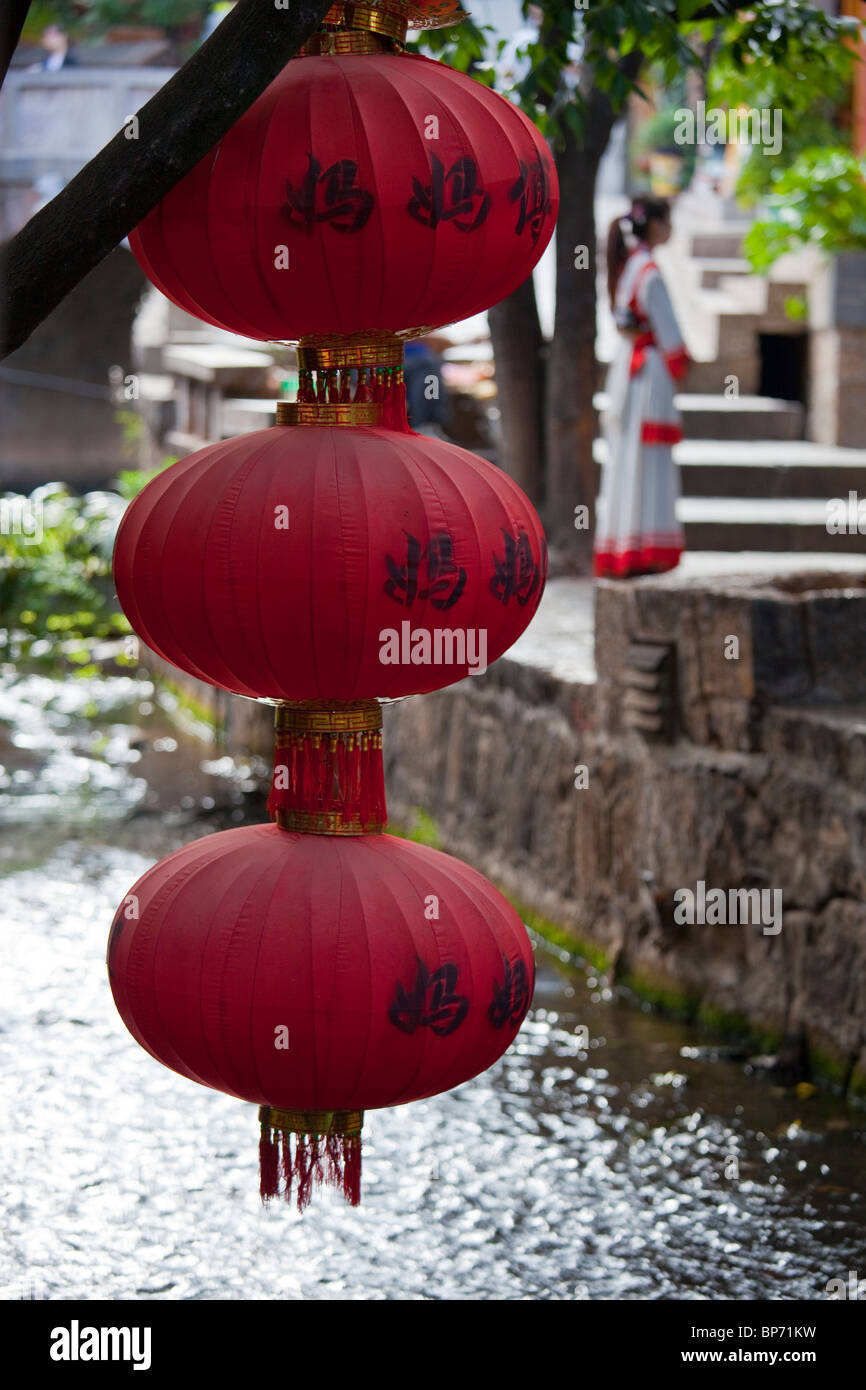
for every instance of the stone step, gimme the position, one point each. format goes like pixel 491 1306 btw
pixel 708 271
pixel 753 418
pixel 795 469
pixel 770 495
pixel 766 523
pixel 710 376
pixel 722 243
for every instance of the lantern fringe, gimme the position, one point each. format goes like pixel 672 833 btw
pixel 383 386
pixel 269 1174
pixel 337 775
pixel 293 1163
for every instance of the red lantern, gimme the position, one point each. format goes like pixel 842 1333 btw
pixel 318 976
pixel 304 563
pixel 361 192
pixel 317 966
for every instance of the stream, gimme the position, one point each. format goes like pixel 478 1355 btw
pixel 640 1164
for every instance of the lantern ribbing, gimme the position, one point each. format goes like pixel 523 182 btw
pixel 316 966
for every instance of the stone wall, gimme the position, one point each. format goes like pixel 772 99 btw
pixel 837 367
pixel 743 771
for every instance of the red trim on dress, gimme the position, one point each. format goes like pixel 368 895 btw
pixel 642 559
pixel 660 432
pixel 677 362
pixel 638 352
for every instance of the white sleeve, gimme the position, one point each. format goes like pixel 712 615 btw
pixel 655 302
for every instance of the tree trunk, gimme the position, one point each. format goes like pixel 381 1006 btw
pixel 570 418
pixel 176 128
pixel 518 348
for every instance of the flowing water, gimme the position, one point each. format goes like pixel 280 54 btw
pixel 639 1164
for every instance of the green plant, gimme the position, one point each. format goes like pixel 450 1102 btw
pixel 808 94
pixel 89 18
pixel 659 132
pixel 819 201
pixel 56 589
pixel 130 481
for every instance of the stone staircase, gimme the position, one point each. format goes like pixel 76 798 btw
pixel 750 479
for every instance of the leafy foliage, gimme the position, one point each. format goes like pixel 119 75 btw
pixel 90 17
pixel 819 201
pixel 809 95
pixel 56 588
pixel 56 591
pixel 578 50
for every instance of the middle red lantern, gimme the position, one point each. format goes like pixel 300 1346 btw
pixel 361 192
pixel 311 562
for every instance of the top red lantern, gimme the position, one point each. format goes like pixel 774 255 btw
pixel 361 192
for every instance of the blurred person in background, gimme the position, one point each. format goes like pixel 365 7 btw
pixel 55 41
pixel 427 402
pixel 637 531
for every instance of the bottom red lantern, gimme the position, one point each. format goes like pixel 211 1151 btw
pixel 318 975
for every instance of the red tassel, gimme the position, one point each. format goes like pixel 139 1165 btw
pixel 303 1172
pixel 336 772
pixel 371 808
pixel 305 755
pixel 345 385
pixel 353 785
pixel 399 416
pixel 269 1153
pixel 342 783
pixel 352 1169
pixel 326 772
pixel 362 390
pixel 287 1166
pixel 334 1161
pixel 306 390
pixel 316 1160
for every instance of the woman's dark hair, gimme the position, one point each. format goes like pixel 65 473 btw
pixel 644 209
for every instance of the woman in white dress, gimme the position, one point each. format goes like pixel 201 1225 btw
pixel 637 530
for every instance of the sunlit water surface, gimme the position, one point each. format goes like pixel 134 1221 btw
pixel 640 1166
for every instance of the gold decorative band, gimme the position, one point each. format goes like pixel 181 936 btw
pixel 324 43
pixel 324 352
pixel 311 1121
pixel 377 21
pixel 357 716
pixel 326 823
pixel 435 14
pixel 332 413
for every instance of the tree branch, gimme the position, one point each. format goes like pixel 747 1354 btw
pixel 94 212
